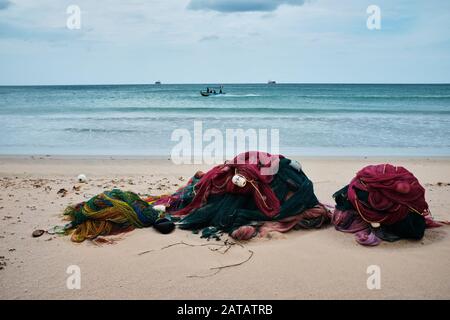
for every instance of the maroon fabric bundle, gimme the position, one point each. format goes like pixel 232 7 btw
pixel 253 166
pixel 392 193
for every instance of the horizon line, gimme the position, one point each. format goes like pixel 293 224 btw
pixel 226 83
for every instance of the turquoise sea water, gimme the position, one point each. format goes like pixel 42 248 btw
pixel 312 119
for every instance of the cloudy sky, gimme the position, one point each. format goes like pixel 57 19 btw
pixel 223 41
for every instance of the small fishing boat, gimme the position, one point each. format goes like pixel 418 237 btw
pixel 211 91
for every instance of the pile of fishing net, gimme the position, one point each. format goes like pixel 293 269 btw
pixel 383 202
pixel 109 213
pixel 254 193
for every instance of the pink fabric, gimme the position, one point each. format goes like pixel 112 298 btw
pixel 250 165
pixel 393 192
pixel 244 233
pixel 430 223
pixel 283 225
pixel 288 223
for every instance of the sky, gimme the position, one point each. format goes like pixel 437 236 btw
pixel 223 41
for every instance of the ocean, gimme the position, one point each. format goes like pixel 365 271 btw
pixel 312 119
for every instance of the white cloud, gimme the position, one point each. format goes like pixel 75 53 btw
pixel 240 5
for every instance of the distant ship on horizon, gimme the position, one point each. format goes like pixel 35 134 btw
pixel 157 82
pixel 271 82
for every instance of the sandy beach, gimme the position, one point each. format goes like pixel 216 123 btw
pixel 143 264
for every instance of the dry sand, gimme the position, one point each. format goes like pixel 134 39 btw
pixel 315 264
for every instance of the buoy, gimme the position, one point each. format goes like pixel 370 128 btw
pixel 239 180
pixel 296 165
pixel 375 224
pixel 160 207
pixel 164 225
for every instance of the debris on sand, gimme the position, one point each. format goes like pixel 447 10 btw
pixel 2 262
pixel 38 233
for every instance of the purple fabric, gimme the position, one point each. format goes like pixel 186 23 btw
pixel 367 238
pixel 350 221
